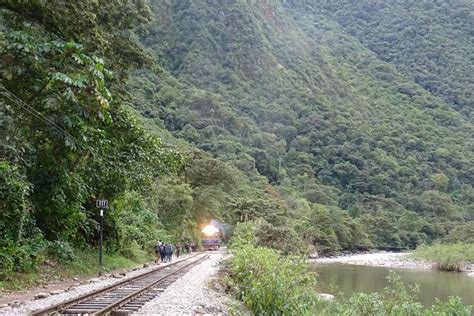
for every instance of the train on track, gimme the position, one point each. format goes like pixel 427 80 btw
pixel 211 238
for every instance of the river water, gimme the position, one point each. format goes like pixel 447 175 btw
pixel 347 279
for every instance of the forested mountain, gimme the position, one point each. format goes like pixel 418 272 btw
pixel 428 41
pixel 330 110
pixel 340 126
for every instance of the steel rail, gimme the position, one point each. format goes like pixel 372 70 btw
pixel 110 308
pixel 76 300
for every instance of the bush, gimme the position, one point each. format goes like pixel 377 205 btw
pixel 61 251
pixel 271 284
pixel 447 257
pixel 462 233
pixel 262 233
pixel 132 250
pixel 21 256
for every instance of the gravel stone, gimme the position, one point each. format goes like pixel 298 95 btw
pixel 56 292
pixel 326 297
pixel 41 295
pixel 191 294
pixel 16 304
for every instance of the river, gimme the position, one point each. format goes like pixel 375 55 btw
pixel 341 277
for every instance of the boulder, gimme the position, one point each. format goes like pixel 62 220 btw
pixel 16 304
pixel 326 297
pixel 56 292
pixel 41 295
pixel 199 310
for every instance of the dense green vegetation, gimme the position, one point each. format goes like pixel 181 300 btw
pixel 67 138
pixel 295 116
pixel 269 283
pixel 429 41
pixel 360 154
pixel 447 257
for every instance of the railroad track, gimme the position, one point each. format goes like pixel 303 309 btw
pixel 126 296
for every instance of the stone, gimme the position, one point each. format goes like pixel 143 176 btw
pixel 16 304
pixel 41 295
pixel 3 305
pixel 199 310
pixel 123 274
pixel 471 274
pixel 146 265
pixel 326 297
pixel 94 280
pixel 56 292
pixel 116 276
pixel 75 279
pixel 314 255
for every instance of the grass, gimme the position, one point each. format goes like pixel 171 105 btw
pixel 84 264
pixel 447 257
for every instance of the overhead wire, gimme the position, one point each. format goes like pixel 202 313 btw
pixel 11 96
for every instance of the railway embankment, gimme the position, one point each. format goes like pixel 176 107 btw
pixel 190 295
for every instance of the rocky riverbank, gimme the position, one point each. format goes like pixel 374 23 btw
pixel 386 259
pixel 379 259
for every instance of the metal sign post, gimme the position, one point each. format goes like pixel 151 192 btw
pixel 101 204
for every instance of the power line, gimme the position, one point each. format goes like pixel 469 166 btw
pixel 11 96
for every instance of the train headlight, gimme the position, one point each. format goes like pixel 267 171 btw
pixel 210 230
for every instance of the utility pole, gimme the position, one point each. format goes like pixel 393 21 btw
pixel 100 240
pixel 101 204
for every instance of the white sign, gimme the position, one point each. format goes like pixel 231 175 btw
pixel 102 204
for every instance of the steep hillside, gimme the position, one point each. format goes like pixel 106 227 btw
pixel 285 90
pixel 432 42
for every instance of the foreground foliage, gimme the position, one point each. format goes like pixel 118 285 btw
pixel 68 138
pixel 270 284
pixel 396 299
pixel 273 284
pixel 447 257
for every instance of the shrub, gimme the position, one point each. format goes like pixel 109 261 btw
pixel 61 250
pixel 271 284
pixel 132 250
pixel 447 257
pixel 21 256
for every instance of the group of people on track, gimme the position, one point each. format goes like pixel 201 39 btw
pixel 164 251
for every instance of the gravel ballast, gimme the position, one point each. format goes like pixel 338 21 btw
pixel 191 293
